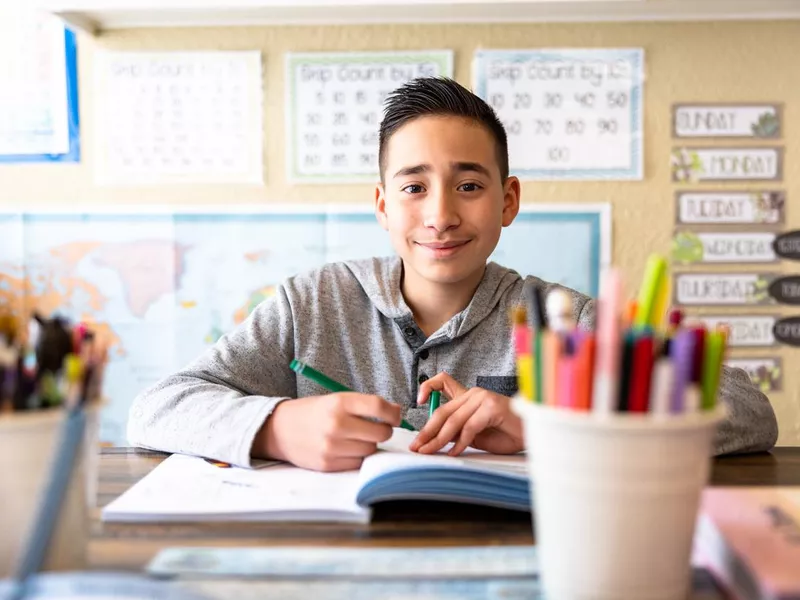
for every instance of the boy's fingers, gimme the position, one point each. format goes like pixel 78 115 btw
pixel 359 429
pixel 474 425
pixel 451 429
pixel 434 424
pixel 441 382
pixel 372 407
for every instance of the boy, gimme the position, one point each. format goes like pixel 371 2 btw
pixel 433 318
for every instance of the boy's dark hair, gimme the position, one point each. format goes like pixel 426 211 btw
pixel 439 96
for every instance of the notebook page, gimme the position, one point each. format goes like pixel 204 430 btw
pixel 183 487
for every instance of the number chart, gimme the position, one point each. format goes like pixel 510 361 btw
pixel 334 106
pixel 568 114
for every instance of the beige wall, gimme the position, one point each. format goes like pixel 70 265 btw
pixel 684 62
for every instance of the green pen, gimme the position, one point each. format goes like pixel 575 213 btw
pixel 329 384
pixel 433 400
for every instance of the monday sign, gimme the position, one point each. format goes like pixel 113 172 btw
pixel 727 164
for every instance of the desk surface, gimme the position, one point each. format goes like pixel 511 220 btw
pixel 130 547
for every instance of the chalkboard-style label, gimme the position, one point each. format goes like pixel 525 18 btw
pixel 690 247
pixel 726 121
pixel 746 331
pixel 766 372
pixel 711 289
pixel 764 207
pixel 786 290
pixel 787 331
pixel 759 163
pixel 787 245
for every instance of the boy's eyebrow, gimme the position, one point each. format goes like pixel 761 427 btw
pixel 415 170
pixel 470 166
pixel 458 167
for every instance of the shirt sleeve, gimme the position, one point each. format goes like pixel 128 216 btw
pixel 215 405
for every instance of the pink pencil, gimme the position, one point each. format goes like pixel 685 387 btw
pixel 606 374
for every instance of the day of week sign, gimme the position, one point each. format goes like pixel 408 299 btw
pixel 334 106
pixel 723 247
pixel 731 208
pixel 727 164
pixel 787 245
pixel 731 121
pixel 568 113
pixel 745 330
pixel 766 373
pixel 710 289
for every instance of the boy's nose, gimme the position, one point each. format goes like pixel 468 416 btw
pixel 440 212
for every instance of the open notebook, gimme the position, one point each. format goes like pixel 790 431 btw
pixel 186 488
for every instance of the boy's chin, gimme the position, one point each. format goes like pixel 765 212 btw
pixel 449 274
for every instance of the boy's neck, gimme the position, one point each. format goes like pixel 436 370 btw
pixel 434 304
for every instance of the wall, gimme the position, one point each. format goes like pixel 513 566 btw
pixel 713 62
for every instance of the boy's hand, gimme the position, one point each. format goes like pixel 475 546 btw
pixel 473 417
pixel 327 433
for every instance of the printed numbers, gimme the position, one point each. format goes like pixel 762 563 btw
pixel 575 127
pixel 522 101
pixel 497 101
pixel 369 139
pixel 558 154
pixel 340 139
pixel 339 160
pixel 585 100
pixel 338 98
pixel 553 100
pixel 313 119
pixel 607 126
pixel 369 118
pixel 542 127
pixel 312 160
pixel 513 127
pixel 340 118
pixel 617 99
pixel 368 159
pixel 311 139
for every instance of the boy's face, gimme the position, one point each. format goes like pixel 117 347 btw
pixel 442 200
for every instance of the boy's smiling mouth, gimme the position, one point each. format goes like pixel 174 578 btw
pixel 445 248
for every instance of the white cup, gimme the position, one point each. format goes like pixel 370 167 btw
pixel 28 443
pixel 615 498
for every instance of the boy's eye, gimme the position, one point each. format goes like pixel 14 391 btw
pixel 469 187
pixel 413 188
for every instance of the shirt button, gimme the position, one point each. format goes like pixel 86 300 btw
pixel 409 331
pixel 423 378
pixel 424 355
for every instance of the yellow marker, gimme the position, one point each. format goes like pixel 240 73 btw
pixel 662 303
pixel 652 284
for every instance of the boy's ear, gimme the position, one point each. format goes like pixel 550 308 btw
pixel 380 205
pixel 511 196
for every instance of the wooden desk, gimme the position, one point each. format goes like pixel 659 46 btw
pixel 130 547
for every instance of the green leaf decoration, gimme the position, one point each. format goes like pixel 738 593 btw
pixel 767 126
pixel 687 248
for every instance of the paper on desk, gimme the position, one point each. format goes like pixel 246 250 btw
pixel 186 487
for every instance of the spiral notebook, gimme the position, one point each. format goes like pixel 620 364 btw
pixel 187 488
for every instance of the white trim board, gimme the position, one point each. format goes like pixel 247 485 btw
pixel 95 16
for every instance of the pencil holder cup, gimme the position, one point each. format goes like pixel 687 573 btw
pixel 615 499
pixel 28 443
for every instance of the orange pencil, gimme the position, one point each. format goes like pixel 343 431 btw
pixel 630 313
pixel 584 373
pixel 551 350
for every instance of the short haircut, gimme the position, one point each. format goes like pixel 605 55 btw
pixel 439 96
